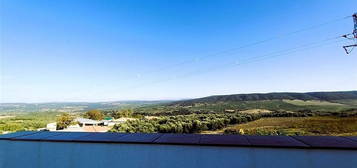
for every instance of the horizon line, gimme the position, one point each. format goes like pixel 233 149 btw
pixel 166 99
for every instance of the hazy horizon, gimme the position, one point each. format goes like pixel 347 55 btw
pixel 164 99
pixel 63 51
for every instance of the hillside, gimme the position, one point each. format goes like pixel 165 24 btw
pixel 319 96
pixel 287 101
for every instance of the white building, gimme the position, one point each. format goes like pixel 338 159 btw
pixel 51 126
pixel 88 122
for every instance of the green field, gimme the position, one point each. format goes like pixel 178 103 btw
pixel 26 122
pixel 312 103
pixel 337 126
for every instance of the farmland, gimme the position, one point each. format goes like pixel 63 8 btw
pixel 316 113
pixel 336 126
pixel 28 121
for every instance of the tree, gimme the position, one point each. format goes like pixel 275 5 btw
pixel 94 115
pixel 64 120
pixel 192 123
pixel 123 113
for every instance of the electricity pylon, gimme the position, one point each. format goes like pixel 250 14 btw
pixel 352 36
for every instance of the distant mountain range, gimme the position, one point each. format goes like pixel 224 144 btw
pixel 71 106
pixel 277 101
pixel 320 96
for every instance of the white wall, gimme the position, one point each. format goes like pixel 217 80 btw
pixel 27 154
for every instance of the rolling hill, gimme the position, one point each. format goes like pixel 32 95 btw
pixel 285 101
pixel 317 96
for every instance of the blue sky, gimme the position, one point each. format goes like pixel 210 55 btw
pixel 95 50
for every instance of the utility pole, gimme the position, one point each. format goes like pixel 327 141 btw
pixel 352 36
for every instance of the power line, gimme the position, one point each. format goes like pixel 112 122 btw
pixel 306 46
pixel 351 36
pixel 167 67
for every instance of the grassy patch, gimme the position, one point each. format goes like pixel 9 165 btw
pixel 312 103
pixel 298 126
pixel 351 102
pixel 255 111
pixel 28 121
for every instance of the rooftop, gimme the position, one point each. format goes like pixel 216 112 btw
pixel 86 120
pixel 307 142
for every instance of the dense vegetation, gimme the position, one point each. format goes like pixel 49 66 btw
pixel 193 123
pixel 64 120
pixel 94 115
pixel 119 113
pixel 196 123
pixel 30 121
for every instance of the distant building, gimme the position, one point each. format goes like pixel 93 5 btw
pixel 229 110
pixel 87 122
pixel 51 126
pixel 89 125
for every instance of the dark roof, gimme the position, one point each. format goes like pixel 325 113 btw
pixel 312 142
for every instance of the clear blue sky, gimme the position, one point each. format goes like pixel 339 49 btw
pixel 94 50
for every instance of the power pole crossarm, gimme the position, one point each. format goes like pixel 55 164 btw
pixel 355 25
pixel 352 36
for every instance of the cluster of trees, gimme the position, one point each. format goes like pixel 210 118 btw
pixel 120 113
pixel 10 126
pixel 64 120
pixel 27 121
pixel 192 123
pixel 309 113
pixel 94 115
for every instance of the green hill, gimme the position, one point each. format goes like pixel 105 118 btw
pixel 319 96
pixel 286 101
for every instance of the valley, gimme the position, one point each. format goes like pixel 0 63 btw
pixel 250 114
